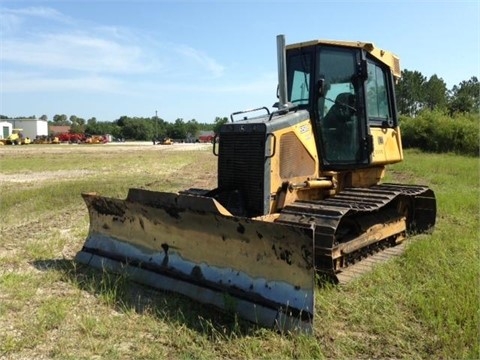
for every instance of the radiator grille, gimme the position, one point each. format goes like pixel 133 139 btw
pixel 294 158
pixel 241 166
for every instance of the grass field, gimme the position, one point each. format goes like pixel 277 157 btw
pixel 424 304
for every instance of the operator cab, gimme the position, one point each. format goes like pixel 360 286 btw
pixel 347 90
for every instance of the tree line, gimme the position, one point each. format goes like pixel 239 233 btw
pixel 415 93
pixel 133 128
pixel 435 119
pixel 138 128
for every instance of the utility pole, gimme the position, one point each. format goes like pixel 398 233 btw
pixel 156 125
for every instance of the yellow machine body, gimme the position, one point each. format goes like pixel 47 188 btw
pixel 299 196
pixel 16 138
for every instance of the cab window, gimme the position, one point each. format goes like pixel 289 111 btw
pixel 339 124
pixel 300 88
pixel 378 107
pixel 298 77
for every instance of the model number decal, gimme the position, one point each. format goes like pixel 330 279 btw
pixel 303 129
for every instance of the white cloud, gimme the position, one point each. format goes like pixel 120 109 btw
pixel 36 82
pixel 74 51
pixel 14 19
pixel 73 56
pixel 39 11
pixel 9 22
pixel 55 41
pixel 263 85
pixel 42 12
pixel 199 57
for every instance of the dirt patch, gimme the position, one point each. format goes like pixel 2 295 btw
pixel 106 148
pixel 44 176
pixel 53 150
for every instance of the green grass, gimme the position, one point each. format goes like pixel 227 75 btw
pixel 424 304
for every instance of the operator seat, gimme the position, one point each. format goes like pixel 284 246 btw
pixel 341 112
pixel 339 129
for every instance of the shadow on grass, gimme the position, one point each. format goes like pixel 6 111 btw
pixel 124 295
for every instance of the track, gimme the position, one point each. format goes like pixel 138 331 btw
pixel 351 272
pixel 359 227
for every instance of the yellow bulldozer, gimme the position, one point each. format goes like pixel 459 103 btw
pixel 299 197
pixel 167 141
pixel 16 138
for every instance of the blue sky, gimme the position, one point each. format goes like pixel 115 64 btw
pixel 198 60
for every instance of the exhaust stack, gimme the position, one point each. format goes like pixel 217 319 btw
pixel 282 73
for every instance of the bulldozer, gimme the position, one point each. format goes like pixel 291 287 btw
pixel 16 138
pixel 299 197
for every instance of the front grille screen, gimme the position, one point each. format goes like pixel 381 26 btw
pixel 241 166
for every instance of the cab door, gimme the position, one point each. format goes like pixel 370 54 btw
pixel 342 128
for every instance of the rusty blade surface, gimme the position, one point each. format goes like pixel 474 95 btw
pixel 191 245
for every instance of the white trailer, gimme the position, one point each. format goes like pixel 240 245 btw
pixel 31 127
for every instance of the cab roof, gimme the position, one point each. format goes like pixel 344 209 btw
pixel 387 57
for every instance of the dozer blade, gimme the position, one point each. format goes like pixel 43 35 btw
pixel 191 245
